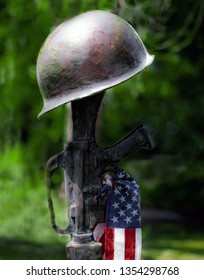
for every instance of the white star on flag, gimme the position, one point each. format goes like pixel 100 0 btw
pixel 121 233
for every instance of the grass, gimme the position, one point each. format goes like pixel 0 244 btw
pixel 25 231
pixel 168 241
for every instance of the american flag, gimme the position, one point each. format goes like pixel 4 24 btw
pixel 121 233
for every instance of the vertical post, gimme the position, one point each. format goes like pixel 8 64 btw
pixel 79 174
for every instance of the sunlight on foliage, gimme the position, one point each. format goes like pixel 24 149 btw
pixel 167 97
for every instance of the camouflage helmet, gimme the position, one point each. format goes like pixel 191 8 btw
pixel 87 54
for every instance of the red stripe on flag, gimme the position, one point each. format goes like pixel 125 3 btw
pixel 109 243
pixel 130 243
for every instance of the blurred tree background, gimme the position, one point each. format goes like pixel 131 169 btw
pixel 167 97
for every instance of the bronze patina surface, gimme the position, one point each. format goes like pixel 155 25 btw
pixel 87 54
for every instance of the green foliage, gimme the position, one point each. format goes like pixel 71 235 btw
pixel 167 97
pixel 23 202
pixel 25 25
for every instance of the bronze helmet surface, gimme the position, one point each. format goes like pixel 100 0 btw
pixel 87 54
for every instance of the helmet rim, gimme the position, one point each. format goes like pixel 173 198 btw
pixel 56 101
pixel 64 75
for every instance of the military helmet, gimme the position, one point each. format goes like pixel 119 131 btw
pixel 88 54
